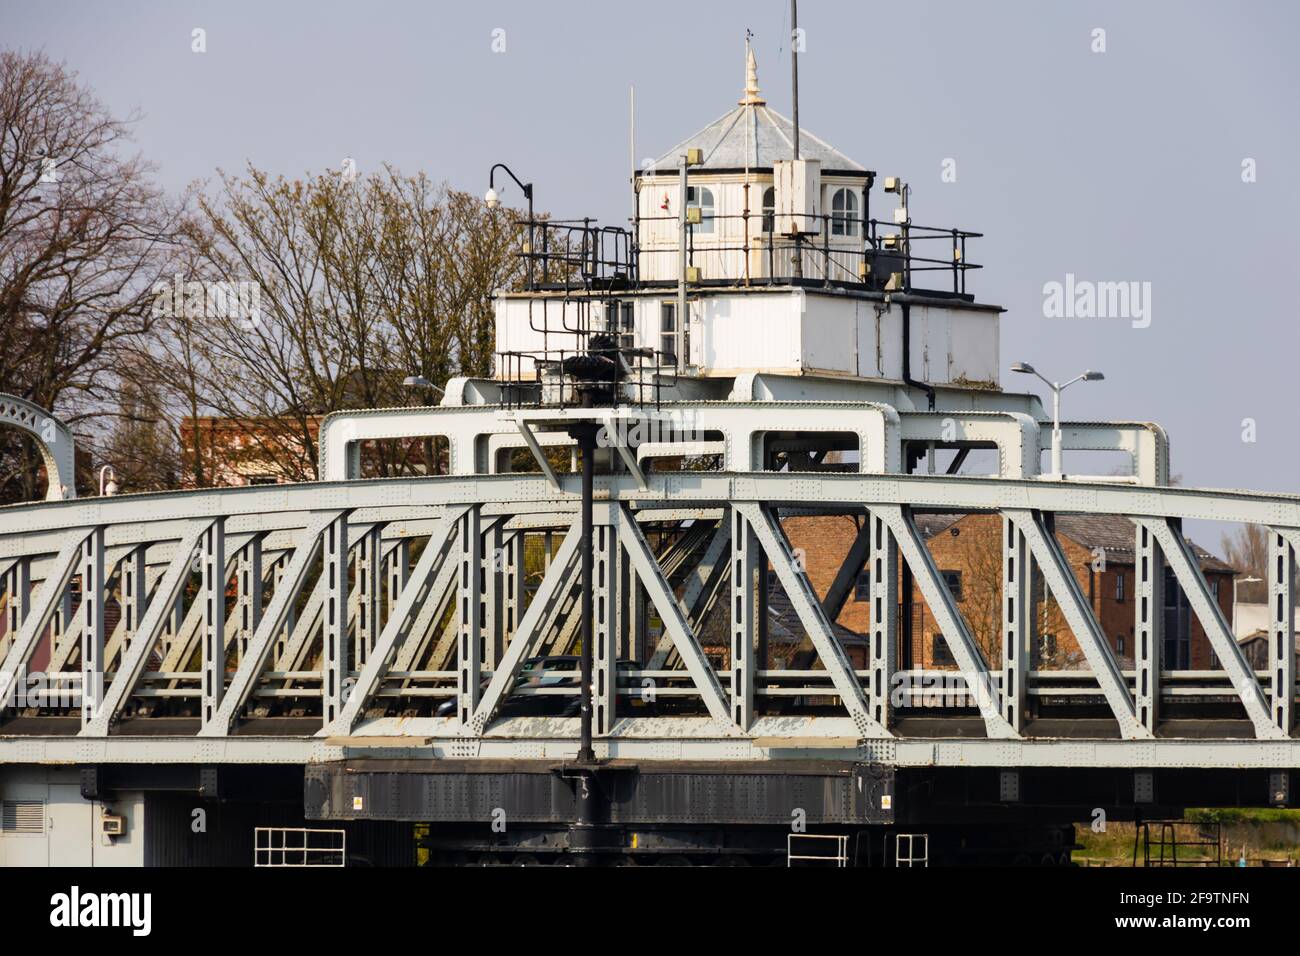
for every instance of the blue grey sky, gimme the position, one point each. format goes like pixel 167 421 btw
pixel 1122 165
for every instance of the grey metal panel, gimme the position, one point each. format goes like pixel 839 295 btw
pixel 817 793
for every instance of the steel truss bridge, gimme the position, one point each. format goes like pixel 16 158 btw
pixel 351 608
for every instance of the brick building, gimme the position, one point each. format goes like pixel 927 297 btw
pixel 967 549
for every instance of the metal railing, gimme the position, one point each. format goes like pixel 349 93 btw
pixel 837 844
pixel 299 847
pixel 576 254
pixel 830 249
pixel 585 377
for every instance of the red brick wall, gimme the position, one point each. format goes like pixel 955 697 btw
pixel 976 553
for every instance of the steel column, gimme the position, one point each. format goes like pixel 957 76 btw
pixel 746 584
pixel 882 654
pixel 369 591
pixel 397 569
pixel 1017 629
pixel 212 549
pixel 248 606
pixel 1281 643
pixel 336 664
pixel 91 615
pixel 134 583
pixel 492 603
pixel 604 629
pixel 512 585
pixel 1148 625
pixel 469 640
pixel 18 592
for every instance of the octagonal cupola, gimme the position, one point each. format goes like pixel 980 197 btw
pixel 760 189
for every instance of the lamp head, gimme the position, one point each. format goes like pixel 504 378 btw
pixel 1024 367
pixel 492 199
pixel 1091 376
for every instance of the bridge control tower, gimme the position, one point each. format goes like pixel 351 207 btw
pixel 751 275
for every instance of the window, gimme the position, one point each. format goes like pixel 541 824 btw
pixel 1214 589
pixel 668 333
pixel 952 579
pixel 624 325
pixel 844 212
pixel 940 655
pixel 1119 586
pixel 862 587
pixel 263 480
pixel 1047 646
pixel 701 198
pixel 1119 644
pixel 769 209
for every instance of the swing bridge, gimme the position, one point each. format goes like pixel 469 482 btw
pixel 322 624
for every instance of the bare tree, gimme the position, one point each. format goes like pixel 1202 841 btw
pixel 83 234
pixel 361 283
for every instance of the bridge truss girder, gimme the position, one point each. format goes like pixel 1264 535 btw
pixel 367 655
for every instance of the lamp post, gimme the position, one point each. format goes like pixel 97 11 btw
pixel 493 201
pixel 1057 388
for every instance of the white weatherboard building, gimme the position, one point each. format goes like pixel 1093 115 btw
pixel 783 269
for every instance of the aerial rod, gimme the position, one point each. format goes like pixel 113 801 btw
pixel 794 70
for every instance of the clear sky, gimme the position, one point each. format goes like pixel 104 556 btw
pixel 1122 165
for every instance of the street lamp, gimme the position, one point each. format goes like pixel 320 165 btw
pixel 419 381
pixel 1057 388
pixel 493 200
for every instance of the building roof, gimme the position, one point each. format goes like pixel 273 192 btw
pixel 754 136
pixel 1112 533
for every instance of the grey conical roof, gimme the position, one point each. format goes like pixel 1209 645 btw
pixel 753 135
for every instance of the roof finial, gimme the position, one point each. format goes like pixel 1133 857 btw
pixel 752 96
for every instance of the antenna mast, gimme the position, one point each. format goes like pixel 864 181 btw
pixel 794 69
